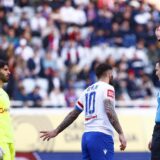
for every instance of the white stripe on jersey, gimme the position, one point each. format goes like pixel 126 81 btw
pixel 79 105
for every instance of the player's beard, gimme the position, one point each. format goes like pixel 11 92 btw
pixel 3 78
pixel 111 81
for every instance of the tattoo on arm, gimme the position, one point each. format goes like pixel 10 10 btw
pixel 109 108
pixel 68 120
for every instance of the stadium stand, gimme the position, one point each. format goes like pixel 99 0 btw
pixel 54 46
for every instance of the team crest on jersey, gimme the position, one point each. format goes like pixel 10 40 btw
pixel 110 93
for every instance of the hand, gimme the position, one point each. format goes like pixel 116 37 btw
pixel 157 32
pixel 1 153
pixel 149 145
pixel 123 142
pixel 47 135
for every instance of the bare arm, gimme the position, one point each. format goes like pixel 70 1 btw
pixel 72 116
pixel 109 108
pixel 47 135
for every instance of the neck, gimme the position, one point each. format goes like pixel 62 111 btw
pixel 1 84
pixel 104 79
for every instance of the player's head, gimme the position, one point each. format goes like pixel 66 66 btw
pixel 4 71
pixel 157 69
pixel 104 71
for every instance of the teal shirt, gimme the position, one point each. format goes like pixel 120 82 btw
pixel 158 109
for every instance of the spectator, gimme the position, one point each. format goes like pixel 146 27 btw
pixel 70 97
pixel 57 98
pixel 62 42
pixel 35 97
pixel 24 50
pixel 134 89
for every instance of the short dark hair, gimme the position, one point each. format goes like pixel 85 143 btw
pixel 101 68
pixel 3 63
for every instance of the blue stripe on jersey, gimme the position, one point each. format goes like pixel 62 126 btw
pixel 78 109
pixel 158 109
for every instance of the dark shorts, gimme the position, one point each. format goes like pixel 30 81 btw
pixel 97 146
pixel 155 148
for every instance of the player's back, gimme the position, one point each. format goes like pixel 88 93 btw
pixel 93 101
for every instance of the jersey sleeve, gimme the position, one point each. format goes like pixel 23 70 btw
pixel 79 104
pixel 109 93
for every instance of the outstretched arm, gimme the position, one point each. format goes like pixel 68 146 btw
pixel 72 116
pixel 47 135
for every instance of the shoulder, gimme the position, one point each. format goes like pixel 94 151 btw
pixel 110 91
pixel 2 91
pixel 110 87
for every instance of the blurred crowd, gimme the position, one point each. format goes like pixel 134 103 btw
pixel 53 47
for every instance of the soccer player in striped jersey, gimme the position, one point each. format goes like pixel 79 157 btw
pixel 98 103
pixel 7 151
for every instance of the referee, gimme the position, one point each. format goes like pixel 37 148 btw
pixel 154 144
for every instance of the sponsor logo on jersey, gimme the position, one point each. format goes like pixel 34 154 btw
pixel 2 110
pixel 110 93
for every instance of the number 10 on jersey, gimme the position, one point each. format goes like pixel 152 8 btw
pixel 90 102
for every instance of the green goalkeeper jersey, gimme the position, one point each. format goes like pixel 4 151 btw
pixel 6 131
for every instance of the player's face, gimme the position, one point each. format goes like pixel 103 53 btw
pixel 157 69
pixel 4 74
pixel 110 74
